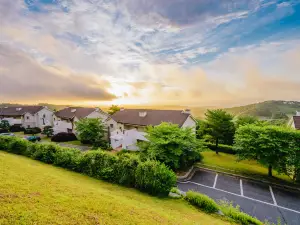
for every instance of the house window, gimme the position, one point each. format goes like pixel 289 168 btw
pixel 44 116
pixel 54 118
pixel 27 117
pixel 28 126
pixel 111 126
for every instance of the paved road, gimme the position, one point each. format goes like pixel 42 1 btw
pixel 257 199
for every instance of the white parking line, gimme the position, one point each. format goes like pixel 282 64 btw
pixel 267 203
pixel 273 197
pixel 241 187
pixel 215 183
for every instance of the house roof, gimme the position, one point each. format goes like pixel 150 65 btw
pixel 19 110
pixel 71 112
pixel 297 122
pixel 153 117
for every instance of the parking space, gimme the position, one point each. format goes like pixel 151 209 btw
pixel 256 199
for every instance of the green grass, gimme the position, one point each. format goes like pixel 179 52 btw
pixel 35 193
pixel 228 163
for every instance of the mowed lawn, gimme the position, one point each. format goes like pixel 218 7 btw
pixel 35 193
pixel 228 163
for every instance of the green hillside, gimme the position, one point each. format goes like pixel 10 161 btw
pixel 35 193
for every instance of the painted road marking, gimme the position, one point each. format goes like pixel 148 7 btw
pixel 273 197
pixel 241 186
pixel 267 203
pixel 215 183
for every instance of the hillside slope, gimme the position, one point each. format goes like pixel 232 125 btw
pixel 36 193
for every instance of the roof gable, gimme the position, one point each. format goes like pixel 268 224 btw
pixel 72 112
pixel 152 117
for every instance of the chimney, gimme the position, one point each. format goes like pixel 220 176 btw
pixel 122 109
pixel 142 114
pixel 186 111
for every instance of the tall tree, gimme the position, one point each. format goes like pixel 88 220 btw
pixel 221 125
pixel 269 145
pixel 113 109
pixel 176 147
pixel 244 120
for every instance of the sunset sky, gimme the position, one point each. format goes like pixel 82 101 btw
pixel 172 52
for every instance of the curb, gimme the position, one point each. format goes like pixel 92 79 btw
pixel 191 172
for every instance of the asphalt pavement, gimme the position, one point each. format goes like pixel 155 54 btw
pixel 256 199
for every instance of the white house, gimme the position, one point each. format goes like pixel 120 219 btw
pixel 128 125
pixel 295 121
pixel 64 120
pixel 27 116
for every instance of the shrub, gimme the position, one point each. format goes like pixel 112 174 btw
pixel 155 178
pixel 234 213
pixel 5 141
pixel 17 146
pixel 202 202
pixel 34 130
pixel 68 158
pixel 16 128
pixel 48 131
pixel 221 148
pixel 63 137
pixel 31 149
pixel 45 153
pixel 3 130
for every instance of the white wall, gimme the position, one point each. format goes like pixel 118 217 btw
pixel 29 120
pixel 12 121
pixel 44 118
pixel 190 123
pixel 60 125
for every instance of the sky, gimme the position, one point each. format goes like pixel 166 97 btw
pixel 138 52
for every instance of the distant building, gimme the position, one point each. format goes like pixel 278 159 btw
pixel 295 121
pixel 127 126
pixel 27 116
pixel 64 120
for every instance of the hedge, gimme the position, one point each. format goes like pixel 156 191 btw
pixel 63 137
pixel 125 169
pixel 34 130
pixel 202 202
pixel 221 148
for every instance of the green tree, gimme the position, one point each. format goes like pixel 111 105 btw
pixel 48 131
pixel 91 131
pixel 244 120
pixel 4 124
pixel 221 126
pixel 176 147
pixel 113 109
pixel 269 145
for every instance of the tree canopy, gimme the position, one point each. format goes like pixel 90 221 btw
pixel 91 131
pixel 113 109
pixel 176 147
pixel 244 120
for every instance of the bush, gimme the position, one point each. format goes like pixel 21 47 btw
pixel 202 202
pixel 3 130
pixel 63 137
pixel 45 153
pixel 5 141
pixel 16 128
pixel 48 131
pixel 68 158
pixel 234 213
pixel 155 178
pixel 34 130
pixel 221 148
pixel 17 146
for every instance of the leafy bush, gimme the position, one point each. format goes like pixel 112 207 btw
pixel 221 148
pixel 17 146
pixel 63 137
pixel 46 153
pixel 4 124
pixel 16 128
pixel 34 130
pixel 3 130
pixel 234 213
pixel 5 141
pixel 155 178
pixel 68 158
pixel 202 202
pixel 48 131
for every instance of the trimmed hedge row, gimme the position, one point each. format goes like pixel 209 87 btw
pixel 125 169
pixel 221 148
pixel 63 137
pixel 33 130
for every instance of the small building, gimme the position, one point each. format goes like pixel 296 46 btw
pixel 64 120
pixel 127 126
pixel 27 116
pixel 295 122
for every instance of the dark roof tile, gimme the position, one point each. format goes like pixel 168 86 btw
pixel 297 122
pixel 19 110
pixel 71 112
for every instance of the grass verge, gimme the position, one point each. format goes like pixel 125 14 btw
pixel 35 193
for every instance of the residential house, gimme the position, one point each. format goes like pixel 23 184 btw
pixel 64 120
pixel 127 127
pixel 27 116
pixel 295 121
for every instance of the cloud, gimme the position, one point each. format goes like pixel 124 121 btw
pixel 22 78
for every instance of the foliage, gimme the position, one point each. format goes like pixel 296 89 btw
pixel 221 148
pixel 68 158
pixel 48 131
pixel 63 137
pixel 17 146
pixel 5 141
pixel 113 109
pixel 4 124
pixel 91 131
pixel 222 128
pixel 269 145
pixel 204 131
pixel 234 213
pixel 176 147
pixel 244 120
pixel 155 178
pixel 46 153
pixel 34 130
pixel 16 128
pixel 202 202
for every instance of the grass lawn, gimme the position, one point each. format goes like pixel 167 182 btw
pixel 226 162
pixel 35 193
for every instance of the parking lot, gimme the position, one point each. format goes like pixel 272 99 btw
pixel 257 199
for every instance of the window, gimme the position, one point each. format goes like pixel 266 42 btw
pixel 27 117
pixel 44 116
pixel 111 126
pixel 28 126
